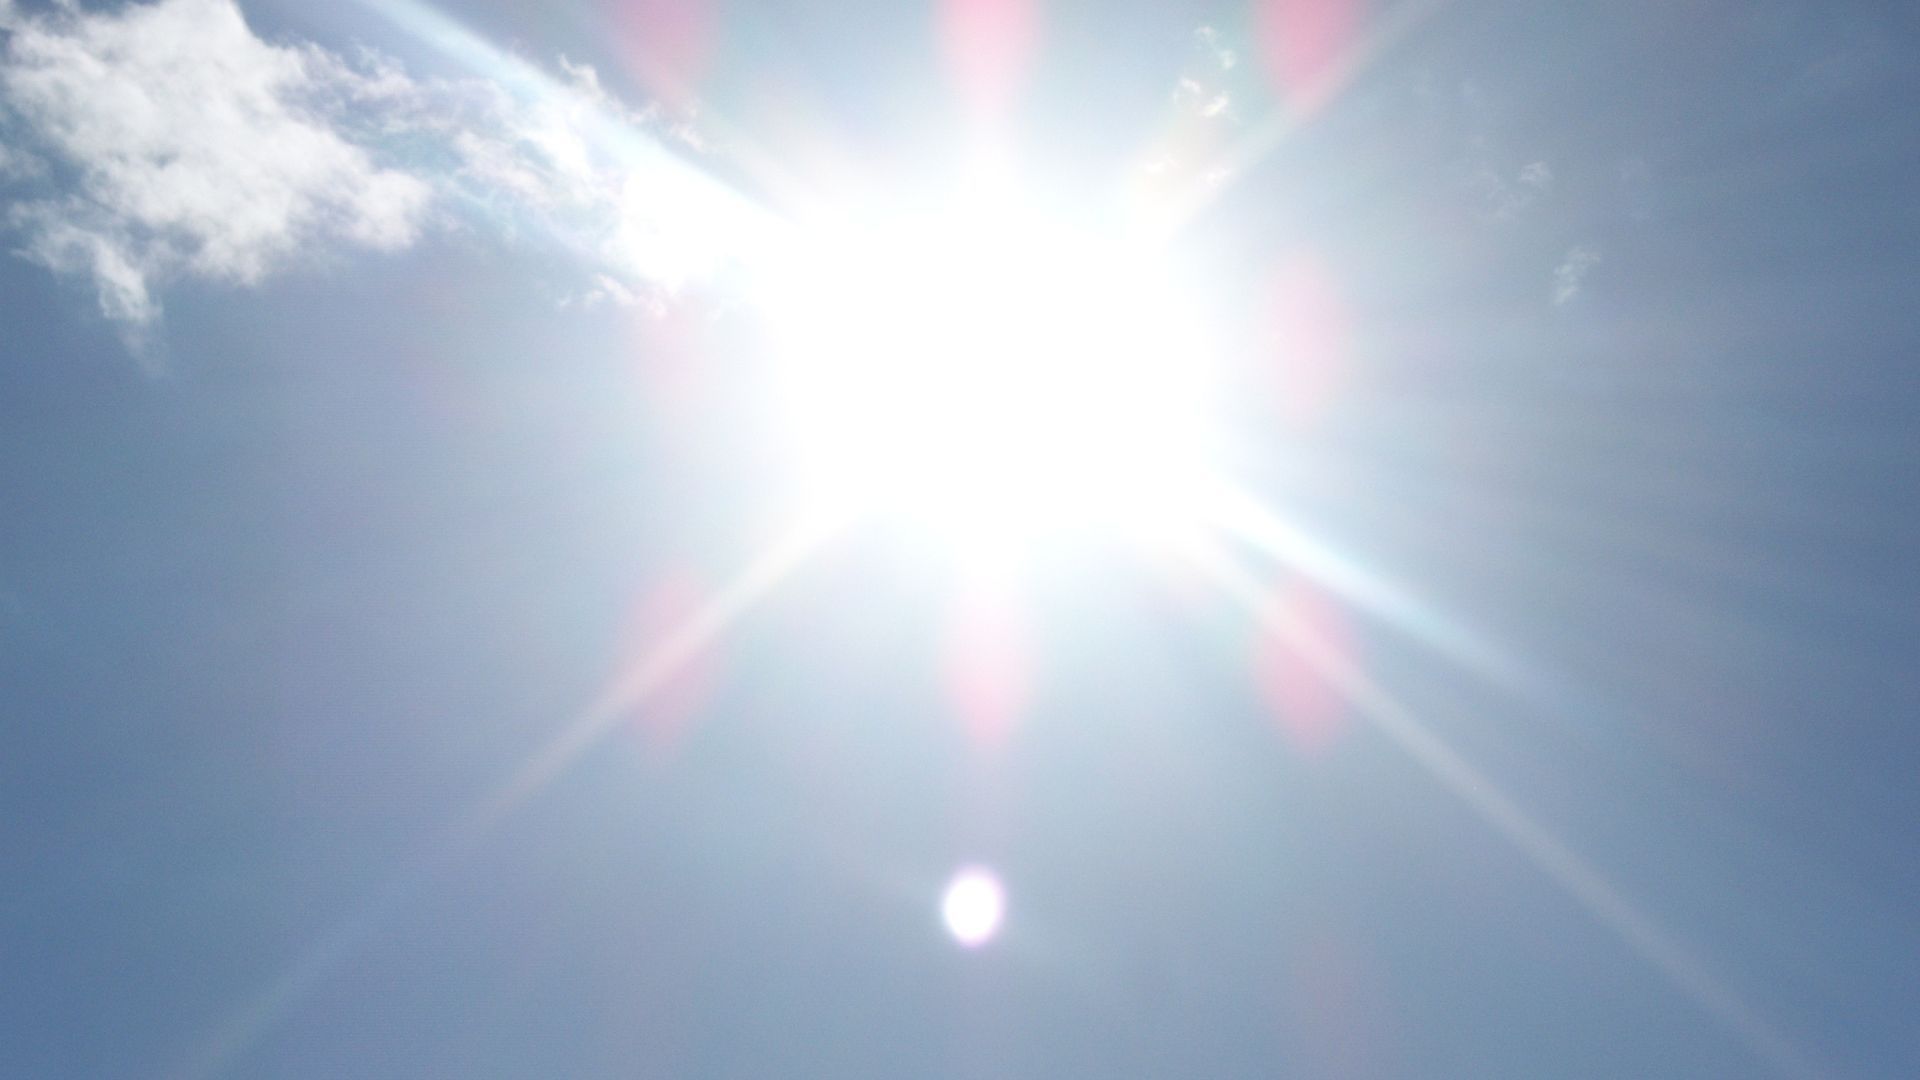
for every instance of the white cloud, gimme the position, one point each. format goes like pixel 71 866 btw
pixel 604 290
pixel 190 147
pixel 68 248
pixel 1571 274
pixel 563 156
pixel 196 147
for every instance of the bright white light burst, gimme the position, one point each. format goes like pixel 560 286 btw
pixel 991 371
pixel 973 906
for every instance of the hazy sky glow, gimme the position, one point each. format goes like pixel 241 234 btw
pixel 1324 538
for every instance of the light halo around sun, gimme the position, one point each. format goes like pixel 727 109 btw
pixel 989 370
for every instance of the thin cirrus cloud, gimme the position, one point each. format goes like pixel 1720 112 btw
pixel 1502 199
pixel 187 147
pixel 1571 275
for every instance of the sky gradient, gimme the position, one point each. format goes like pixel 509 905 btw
pixel 411 665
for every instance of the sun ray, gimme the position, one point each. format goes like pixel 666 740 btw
pixel 678 221
pixel 1675 960
pixel 670 654
pixel 243 1026
pixel 1237 513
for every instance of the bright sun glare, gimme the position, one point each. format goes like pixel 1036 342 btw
pixel 991 372
pixel 973 906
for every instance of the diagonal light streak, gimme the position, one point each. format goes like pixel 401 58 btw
pixel 254 1017
pixel 677 191
pixel 1653 943
pixel 699 631
pixel 1244 517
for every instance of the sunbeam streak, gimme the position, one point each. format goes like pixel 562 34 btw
pixel 1659 947
pixel 632 688
pixel 243 1026
pixel 670 223
pixel 1245 518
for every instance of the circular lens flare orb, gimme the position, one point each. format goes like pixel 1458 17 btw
pixel 973 906
pixel 991 371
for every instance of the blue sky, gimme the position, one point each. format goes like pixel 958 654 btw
pixel 389 418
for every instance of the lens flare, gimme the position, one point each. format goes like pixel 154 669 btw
pixel 988 664
pixel 973 906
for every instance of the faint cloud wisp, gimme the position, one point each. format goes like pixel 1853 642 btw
pixel 1505 200
pixel 1571 275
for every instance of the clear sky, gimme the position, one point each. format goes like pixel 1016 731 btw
pixel 991 538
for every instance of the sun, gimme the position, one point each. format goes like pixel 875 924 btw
pixel 991 370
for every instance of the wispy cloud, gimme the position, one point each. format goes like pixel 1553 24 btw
pixel 1505 198
pixel 1498 180
pixel 160 141
pixel 1224 56
pixel 1571 275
